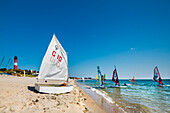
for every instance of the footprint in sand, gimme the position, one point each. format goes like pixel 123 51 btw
pixel 86 110
pixel 53 97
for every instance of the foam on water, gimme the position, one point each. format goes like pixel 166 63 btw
pixel 145 96
pixel 104 94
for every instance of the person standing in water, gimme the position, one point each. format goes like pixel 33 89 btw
pixel 102 81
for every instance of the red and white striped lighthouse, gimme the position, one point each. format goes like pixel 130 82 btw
pixel 15 62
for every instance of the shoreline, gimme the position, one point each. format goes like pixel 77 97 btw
pixel 113 101
pixel 101 100
pixel 18 95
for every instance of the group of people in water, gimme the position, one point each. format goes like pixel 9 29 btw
pixel 115 79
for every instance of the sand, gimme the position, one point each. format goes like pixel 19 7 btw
pixel 17 95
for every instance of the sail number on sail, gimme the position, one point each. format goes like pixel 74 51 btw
pixel 59 58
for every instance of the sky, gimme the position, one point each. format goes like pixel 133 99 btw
pixel 134 35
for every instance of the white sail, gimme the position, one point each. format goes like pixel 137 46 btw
pixel 54 65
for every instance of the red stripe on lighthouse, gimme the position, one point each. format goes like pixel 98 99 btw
pixel 15 63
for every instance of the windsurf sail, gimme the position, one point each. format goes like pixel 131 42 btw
pixel 133 80
pixel 157 76
pixel 104 77
pixel 97 77
pixel 115 77
pixel 82 78
pixel 54 65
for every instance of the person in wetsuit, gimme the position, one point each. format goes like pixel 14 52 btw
pixel 102 81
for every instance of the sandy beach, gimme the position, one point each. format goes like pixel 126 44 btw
pixel 18 95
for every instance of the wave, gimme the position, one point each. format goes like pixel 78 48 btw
pixel 166 85
pixel 105 96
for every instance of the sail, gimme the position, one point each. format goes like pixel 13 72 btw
pixel 97 77
pixel 133 80
pixel 115 77
pixel 157 76
pixel 99 74
pixel 54 65
pixel 104 77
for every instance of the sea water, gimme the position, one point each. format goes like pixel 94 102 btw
pixel 145 96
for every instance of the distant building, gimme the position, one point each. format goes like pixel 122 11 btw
pixel 15 63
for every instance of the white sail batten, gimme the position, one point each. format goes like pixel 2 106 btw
pixel 54 65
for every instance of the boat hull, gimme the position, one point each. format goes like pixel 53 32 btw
pixel 52 88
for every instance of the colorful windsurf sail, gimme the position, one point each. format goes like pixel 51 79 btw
pixel 104 77
pixel 133 80
pixel 97 77
pixel 157 76
pixel 115 77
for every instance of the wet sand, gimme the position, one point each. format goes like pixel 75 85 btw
pixel 17 94
pixel 109 107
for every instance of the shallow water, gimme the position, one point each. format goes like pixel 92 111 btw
pixel 146 96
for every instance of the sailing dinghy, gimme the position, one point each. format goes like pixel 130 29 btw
pixel 53 74
pixel 157 76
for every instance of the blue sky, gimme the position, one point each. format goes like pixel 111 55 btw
pixel 133 35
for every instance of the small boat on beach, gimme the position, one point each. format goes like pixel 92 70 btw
pixel 157 77
pixel 53 74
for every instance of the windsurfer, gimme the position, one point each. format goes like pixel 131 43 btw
pixel 133 81
pixel 102 81
pixel 157 76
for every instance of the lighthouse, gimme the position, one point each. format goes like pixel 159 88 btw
pixel 15 62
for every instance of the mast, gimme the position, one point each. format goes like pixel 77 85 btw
pixel 10 64
pixel 2 61
pixel 7 63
